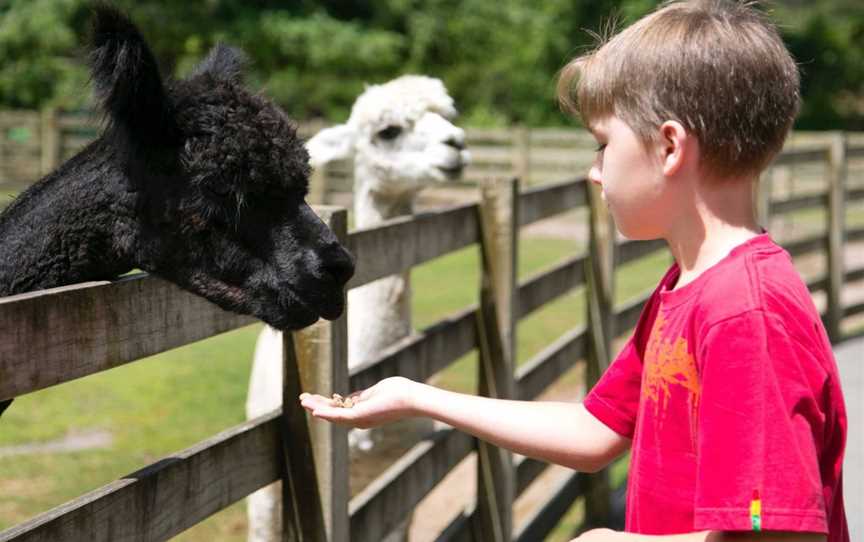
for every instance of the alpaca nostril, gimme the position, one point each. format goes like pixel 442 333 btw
pixel 455 143
pixel 338 264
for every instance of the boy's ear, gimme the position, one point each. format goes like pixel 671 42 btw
pixel 127 82
pixel 331 144
pixel 675 146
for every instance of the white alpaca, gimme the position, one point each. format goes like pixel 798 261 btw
pixel 401 139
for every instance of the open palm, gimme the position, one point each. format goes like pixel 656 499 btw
pixel 387 401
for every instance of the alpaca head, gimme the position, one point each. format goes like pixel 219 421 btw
pixel 218 178
pixel 400 136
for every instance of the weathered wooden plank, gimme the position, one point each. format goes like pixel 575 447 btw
pixel 562 137
pixel 499 250
pixel 383 505
pixel 807 244
pixel 527 470
pixel 548 200
pixel 169 496
pixel 627 317
pixel 543 287
pixel 459 528
pixel 50 139
pixel 801 156
pixel 78 123
pixel 855 234
pixel 547 515
pixel 496 154
pixel 302 498
pixel 496 135
pixel 546 367
pixel 496 341
pixel 817 284
pixel 855 152
pixel 317 358
pixel 550 172
pixel 855 274
pixel 72 143
pixel 854 194
pixel 57 335
pixel 633 250
pixel 852 310
pixel 399 244
pixel 560 156
pixel 600 317
pixel 797 203
pixel 421 355
pixel 837 162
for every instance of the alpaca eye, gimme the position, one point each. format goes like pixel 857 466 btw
pixel 389 133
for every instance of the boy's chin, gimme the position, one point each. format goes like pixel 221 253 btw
pixel 638 235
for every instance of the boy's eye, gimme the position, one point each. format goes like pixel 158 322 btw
pixel 601 147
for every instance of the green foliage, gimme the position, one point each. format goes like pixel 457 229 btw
pixel 831 59
pixel 316 65
pixel 499 58
pixel 38 40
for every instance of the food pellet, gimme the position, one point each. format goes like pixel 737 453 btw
pixel 342 402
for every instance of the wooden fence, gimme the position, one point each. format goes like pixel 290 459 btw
pixel 33 143
pixel 94 327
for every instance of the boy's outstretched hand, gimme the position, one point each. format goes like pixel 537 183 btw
pixel 387 401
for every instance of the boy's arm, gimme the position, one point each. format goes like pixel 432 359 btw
pixel 562 433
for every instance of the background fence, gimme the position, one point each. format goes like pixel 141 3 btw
pixel 94 327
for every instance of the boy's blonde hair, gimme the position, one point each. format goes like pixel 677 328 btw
pixel 718 67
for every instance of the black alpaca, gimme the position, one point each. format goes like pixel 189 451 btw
pixel 197 181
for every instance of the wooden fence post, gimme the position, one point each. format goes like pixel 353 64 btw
pixel 50 141
pixel 496 332
pixel 4 131
pixel 318 185
pixel 599 273
pixel 521 156
pixel 836 233
pixel 315 499
pixel 762 190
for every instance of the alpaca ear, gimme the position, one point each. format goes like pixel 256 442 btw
pixel 127 82
pixel 223 62
pixel 331 144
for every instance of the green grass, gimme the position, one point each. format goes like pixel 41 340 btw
pixel 6 198
pixel 152 408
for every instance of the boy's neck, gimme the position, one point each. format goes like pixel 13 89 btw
pixel 721 218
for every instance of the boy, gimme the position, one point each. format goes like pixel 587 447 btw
pixel 727 393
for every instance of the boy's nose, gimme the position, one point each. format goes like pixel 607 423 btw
pixel 594 176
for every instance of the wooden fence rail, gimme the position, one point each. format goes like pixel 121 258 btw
pixel 97 326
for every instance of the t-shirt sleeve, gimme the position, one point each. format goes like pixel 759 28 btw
pixel 759 423
pixel 614 400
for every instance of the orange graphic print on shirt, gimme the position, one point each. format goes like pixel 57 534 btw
pixel 669 365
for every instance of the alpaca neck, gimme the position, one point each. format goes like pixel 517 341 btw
pixel 61 230
pixel 373 207
pixel 379 313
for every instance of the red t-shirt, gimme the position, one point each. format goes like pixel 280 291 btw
pixel 731 394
